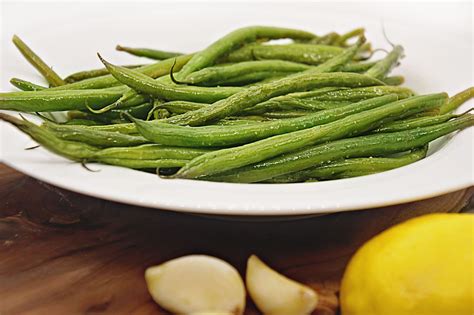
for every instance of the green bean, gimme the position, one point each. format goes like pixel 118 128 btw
pixel 342 40
pixel 96 138
pixel 234 39
pixel 411 123
pixel 113 116
pixel 144 164
pixel 228 159
pixel 357 94
pixel 457 100
pixel 26 85
pixel 371 145
pixel 218 74
pixel 357 66
pixel 288 104
pixel 214 136
pixel 252 78
pixel 383 67
pixel 48 101
pixel 346 168
pixel 148 53
pixel 145 84
pixel 94 73
pixel 48 73
pixel 125 128
pixel 328 39
pixel 144 156
pixel 150 152
pixel 301 53
pixel 181 107
pixel 394 80
pixel 154 70
pixel 82 122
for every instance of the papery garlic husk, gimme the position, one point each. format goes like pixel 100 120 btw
pixel 197 284
pixel 275 294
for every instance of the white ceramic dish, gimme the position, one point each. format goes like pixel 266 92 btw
pixel 438 39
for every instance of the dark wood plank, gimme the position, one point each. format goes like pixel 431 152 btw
pixel 66 253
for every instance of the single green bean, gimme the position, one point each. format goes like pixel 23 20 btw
pixel 301 53
pixel 48 73
pixel 394 80
pixel 346 168
pixel 411 123
pixel 457 100
pixel 234 39
pixel 228 159
pixel 328 39
pixel 218 74
pixel 26 85
pixel 357 94
pixel 383 67
pixel 150 152
pixel 251 78
pixel 94 73
pixel 47 101
pixel 358 66
pixel 342 40
pixel 148 53
pixel 214 136
pixel 145 84
pixel 154 70
pixel 371 145
pixel 96 138
pixel 82 122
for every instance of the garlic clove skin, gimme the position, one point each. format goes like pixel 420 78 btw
pixel 275 294
pixel 197 284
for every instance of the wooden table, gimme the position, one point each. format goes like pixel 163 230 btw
pixel 65 253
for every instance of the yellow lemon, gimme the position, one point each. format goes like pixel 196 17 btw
pixel 423 266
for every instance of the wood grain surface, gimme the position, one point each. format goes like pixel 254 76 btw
pixel 66 253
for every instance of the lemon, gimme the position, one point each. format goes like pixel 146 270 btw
pixel 423 266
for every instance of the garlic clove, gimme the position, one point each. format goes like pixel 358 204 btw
pixel 275 294
pixel 197 284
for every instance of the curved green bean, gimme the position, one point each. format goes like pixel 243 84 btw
pixel 394 80
pixel 214 136
pixel 371 145
pixel 234 39
pixel 145 84
pixel 148 53
pixel 457 100
pixel 48 73
pixel 227 159
pixel 383 67
pixel 26 85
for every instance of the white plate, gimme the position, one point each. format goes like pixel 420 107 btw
pixel 438 41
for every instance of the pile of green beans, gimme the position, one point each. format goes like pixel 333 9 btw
pixel 245 109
